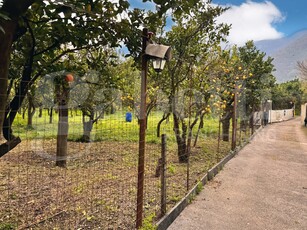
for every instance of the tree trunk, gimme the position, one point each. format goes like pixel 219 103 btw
pixel 6 39
pixel 182 154
pixel 31 111
pixel 87 129
pixel 40 112
pixel 181 140
pixel 225 129
pixel 8 146
pixel 113 110
pixel 61 153
pixel 201 125
pixel 50 115
pixel 225 120
pixel 165 116
pixel 62 94
pixel 14 9
pixel 15 104
pixel 24 110
pixel 10 87
pixel 251 123
pixel 29 123
pixel 20 94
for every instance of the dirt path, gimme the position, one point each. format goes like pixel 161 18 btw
pixel 263 187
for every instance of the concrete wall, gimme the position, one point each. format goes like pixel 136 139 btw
pixel 274 116
pixel 303 113
pixel 280 115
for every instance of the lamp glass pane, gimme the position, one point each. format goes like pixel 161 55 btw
pixel 158 64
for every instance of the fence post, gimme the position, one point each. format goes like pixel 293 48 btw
pixel 219 135
pixel 234 120
pixel 142 134
pixel 163 176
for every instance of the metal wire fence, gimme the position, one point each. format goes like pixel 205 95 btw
pixel 98 187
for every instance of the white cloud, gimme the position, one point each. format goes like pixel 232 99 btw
pixel 252 21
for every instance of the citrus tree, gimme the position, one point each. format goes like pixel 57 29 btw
pixel 226 80
pixel 97 89
pixel 37 35
pixel 247 72
pixel 192 38
pixel 260 79
pixel 289 94
pixel 45 32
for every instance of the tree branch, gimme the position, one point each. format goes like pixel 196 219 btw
pixel 54 45
pixel 165 116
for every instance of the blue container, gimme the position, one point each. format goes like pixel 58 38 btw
pixel 128 117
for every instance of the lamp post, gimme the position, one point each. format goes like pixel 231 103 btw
pixel 160 54
pixel 142 133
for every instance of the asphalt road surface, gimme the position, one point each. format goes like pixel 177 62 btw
pixel 263 187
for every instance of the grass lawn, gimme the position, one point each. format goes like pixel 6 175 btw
pixel 111 127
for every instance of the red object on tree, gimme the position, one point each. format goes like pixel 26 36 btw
pixel 69 78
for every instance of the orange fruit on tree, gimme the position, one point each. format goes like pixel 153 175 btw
pixel 69 77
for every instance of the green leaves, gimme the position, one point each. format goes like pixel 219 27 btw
pixel 288 94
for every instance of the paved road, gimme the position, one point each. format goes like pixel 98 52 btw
pixel 263 187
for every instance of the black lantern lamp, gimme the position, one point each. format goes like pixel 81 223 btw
pixel 159 55
pixel 158 64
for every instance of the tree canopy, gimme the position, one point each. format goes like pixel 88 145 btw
pixel 41 34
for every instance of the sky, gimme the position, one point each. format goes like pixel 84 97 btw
pixel 258 19
pixel 261 20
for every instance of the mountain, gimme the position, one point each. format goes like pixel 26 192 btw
pixel 286 53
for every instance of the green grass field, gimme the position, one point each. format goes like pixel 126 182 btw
pixel 112 127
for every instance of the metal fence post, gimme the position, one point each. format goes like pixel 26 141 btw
pixel 142 134
pixel 234 120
